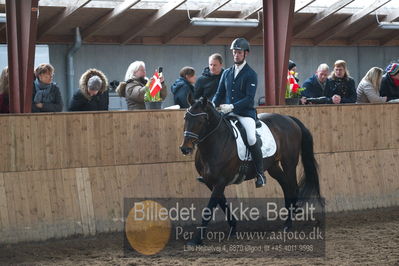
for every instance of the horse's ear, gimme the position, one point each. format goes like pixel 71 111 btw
pixel 190 98
pixel 203 100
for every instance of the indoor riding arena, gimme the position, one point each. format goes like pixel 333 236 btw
pixel 71 183
pixel 67 207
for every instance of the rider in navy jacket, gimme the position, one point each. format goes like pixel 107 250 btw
pixel 239 91
pixel 235 95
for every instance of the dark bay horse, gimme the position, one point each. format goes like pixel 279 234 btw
pixel 217 161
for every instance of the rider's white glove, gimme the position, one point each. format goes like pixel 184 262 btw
pixel 226 108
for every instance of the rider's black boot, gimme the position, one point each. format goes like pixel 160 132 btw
pixel 256 153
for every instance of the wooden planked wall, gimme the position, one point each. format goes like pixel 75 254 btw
pixel 67 174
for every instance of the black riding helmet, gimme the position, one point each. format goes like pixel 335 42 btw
pixel 240 44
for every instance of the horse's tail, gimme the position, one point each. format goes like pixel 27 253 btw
pixel 309 185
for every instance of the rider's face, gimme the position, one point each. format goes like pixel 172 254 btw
pixel 238 56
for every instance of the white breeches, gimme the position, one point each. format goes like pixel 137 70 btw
pixel 250 127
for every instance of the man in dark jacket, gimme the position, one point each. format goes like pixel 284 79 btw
pixel 183 86
pixel 390 82
pixel 208 83
pixel 315 87
pixel 92 94
pixel 236 91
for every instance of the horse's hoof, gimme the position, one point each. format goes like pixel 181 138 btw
pixel 232 233
pixel 258 185
pixel 287 226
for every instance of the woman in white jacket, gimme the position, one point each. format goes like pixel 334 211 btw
pixel 368 90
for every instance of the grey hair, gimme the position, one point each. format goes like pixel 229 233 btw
pixel 132 69
pixel 323 66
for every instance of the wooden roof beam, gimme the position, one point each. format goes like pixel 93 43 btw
pixel 70 9
pixel 108 18
pixel 256 7
pixel 321 16
pixel 362 34
pixel 184 25
pixel 161 13
pixel 390 36
pixel 210 9
pixel 349 21
pixel 302 6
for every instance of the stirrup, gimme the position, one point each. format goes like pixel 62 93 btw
pixel 200 179
pixel 260 181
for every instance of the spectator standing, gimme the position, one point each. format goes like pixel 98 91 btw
pixel 208 83
pixel 92 94
pixel 390 82
pixel 4 91
pixel 368 90
pixel 183 86
pixel 46 96
pixel 342 87
pixel 135 85
pixel 315 86
pixel 292 69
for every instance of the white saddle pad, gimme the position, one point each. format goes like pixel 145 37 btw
pixel 269 146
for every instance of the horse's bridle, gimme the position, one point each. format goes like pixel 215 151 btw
pixel 196 136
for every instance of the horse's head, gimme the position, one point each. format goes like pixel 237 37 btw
pixel 196 123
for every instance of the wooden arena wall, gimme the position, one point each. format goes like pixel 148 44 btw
pixel 67 174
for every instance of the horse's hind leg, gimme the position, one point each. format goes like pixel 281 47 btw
pixel 287 181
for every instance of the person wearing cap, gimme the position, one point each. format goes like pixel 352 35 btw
pixel 93 92
pixel 236 95
pixel 292 68
pixel 390 82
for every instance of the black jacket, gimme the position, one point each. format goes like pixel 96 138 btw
pixel 207 84
pixel 97 102
pixel 82 101
pixel 388 88
pixel 344 87
pixel 180 89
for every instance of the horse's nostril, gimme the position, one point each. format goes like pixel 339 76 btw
pixel 185 150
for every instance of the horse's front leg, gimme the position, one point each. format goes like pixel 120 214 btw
pixel 216 197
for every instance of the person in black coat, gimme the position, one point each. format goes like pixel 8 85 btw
pixel 390 82
pixel 208 83
pixel 183 86
pixel 341 88
pixel 92 94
